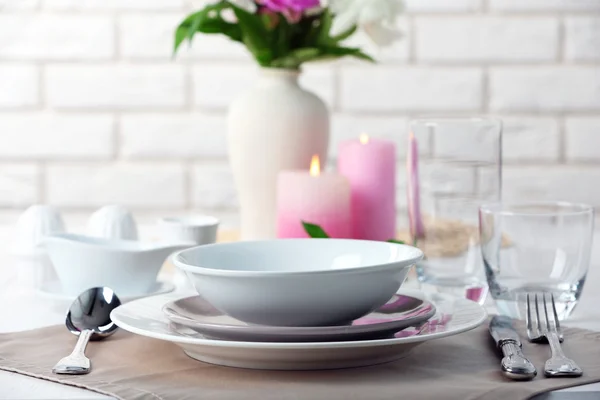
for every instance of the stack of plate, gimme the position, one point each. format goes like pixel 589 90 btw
pixel 298 305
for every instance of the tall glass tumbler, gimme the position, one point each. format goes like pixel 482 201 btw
pixel 536 247
pixel 454 166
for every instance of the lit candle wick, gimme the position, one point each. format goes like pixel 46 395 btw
pixel 315 166
pixel 364 138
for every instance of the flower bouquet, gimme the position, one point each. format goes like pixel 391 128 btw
pixel 287 33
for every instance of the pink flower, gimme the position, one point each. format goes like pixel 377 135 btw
pixel 291 9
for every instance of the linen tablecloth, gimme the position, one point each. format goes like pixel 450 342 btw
pixel 132 367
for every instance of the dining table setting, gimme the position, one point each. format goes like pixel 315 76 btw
pixel 420 343
pixel 299 200
pixel 475 299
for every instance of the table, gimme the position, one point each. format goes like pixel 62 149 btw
pixel 33 312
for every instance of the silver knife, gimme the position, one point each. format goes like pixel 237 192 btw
pixel 514 364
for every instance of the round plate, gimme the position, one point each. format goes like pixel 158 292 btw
pixel 144 317
pixel 52 290
pixel 400 312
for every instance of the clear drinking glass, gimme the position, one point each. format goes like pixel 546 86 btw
pixel 536 247
pixel 455 170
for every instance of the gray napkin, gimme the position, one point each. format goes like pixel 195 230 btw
pixel 131 367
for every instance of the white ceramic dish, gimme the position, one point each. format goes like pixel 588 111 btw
pixel 53 291
pixel 198 229
pixel 144 317
pixel 127 267
pixel 37 222
pixel 400 312
pixel 288 282
pixel 201 229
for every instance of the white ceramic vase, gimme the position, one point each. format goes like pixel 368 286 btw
pixel 276 125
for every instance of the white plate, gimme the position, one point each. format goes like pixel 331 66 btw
pixel 53 291
pixel 144 317
pixel 400 312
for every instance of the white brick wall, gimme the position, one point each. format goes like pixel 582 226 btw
pixel 544 5
pixel 115 86
pixel 56 37
pixel 485 39
pixel 582 39
pixel 34 136
pixel 11 5
pixel 583 139
pixel 145 186
pixel 441 6
pixel 531 139
pixel 19 185
pixel 19 85
pixel 173 136
pixel 545 89
pixel 95 110
pixel 572 183
pixel 94 5
pixel 406 89
pixel 212 186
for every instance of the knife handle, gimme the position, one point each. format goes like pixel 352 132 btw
pixel 514 364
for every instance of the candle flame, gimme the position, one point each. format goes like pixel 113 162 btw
pixel 364 138
pixel 315 166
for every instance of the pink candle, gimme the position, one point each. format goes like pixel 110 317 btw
pixel 370 166
pixel 314 197
pixel 415 219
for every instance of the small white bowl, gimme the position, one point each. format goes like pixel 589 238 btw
pixel 128 267
pixel 298 282
pixel 201 229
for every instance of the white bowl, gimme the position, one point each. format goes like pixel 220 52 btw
pixel 298 282
pixel 201 229
pixel 128 267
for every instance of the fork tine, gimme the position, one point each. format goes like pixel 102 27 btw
pixel 556 321
pixel 549 327
pixel 528 314
pixel 537 314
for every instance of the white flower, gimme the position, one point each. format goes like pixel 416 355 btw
pixel 248 5
pixel 376 17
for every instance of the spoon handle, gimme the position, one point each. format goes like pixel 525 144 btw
pixel 76 363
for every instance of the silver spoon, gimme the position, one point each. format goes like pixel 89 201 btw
pixel 89 318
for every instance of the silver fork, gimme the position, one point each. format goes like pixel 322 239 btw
pixel 542 325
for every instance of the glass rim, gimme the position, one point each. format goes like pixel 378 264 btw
pixel 563 208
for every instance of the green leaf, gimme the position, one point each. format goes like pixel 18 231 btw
pixel 295 58
pixel 196 22
pixel 254 35
pixel 183 30
pixel 209 21
pixel 395 241
pixel 360 55
pixel 340 51
pixel 281 38
pixel 180 36
pixel 344 35
pixel 314 231
pixel 323 38
pixel 219 26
